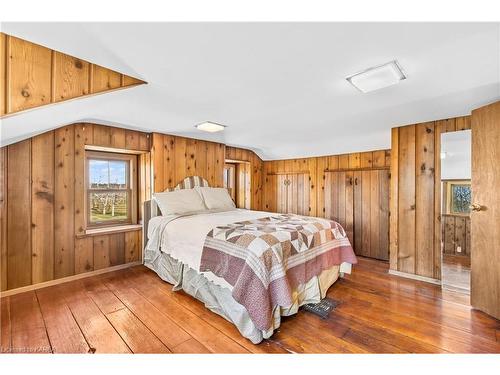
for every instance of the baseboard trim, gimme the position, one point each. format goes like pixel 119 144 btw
pixel 63 280
pixel 415 277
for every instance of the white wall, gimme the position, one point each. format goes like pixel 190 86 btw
pixel 457 162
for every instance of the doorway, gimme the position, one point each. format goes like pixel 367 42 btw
pixel 237 180
pixel 456 196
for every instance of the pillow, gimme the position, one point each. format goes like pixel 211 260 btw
pixel 178 202
pixel 216 198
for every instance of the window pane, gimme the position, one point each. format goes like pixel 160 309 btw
pixel 460 199
pixel 108 174
pixel 108 206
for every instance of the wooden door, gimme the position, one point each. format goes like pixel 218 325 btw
pixel 229 180
pixel 339 198
pixel 485 223
pixel 298 193
pixel 281 193
pixel 271 193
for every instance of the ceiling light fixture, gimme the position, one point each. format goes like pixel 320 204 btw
pixel 377 77
pixel 210 127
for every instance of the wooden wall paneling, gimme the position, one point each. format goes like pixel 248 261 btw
pixel 406 204
pixel 132 140
pixel 71 77
pixel 321 165
pixel 281 193
pixel 293 194
pixel 349 207
pixel 102 136
pixel 365 219
pixel 374 216
pixel 201 159
pixel 220 159
pixel 144 144
pixel 342 199
pixel 83 136
pixel 460 235
pixel 378 158
pixel 84 255
pixel 116 243
pixel 344 161
pixel 132 246
pixel 28 75
pixel 104 79
pixel 354 160
pixel 463 123
pixel 118 139
pixel 169 161
pixel 366 159
pixel 424 200
pixel 130 81
pixel 157 156
pixel 333 162
pixel 439 128
pixel 449 234
pixel 3 73
pixel 387 154
pixel 191 157
pixel 101 252
pixel 180 159
pixel 64 202
pixel 33 75
pixel 19 214
pixel 384 191
pixel 211 163
pixel 358 212
pixel 270 193
pixel 42 207
pixel 3 218
pixel 313 189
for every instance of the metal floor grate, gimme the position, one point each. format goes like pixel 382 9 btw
pixel 322 308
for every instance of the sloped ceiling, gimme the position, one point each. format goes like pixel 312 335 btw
pixel 279 87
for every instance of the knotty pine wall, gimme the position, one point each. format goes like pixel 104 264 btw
pixel 174 158
pixel 32 75
pixel 415 222
pixel 42 206
pixel 316 167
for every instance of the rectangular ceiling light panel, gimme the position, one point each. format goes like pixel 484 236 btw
pixel 210 127
pixel 377 77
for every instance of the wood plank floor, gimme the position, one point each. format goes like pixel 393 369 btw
pixel 133 311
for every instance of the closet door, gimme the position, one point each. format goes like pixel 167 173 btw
pixel 339 198
pixel 282 193
pixel 298 194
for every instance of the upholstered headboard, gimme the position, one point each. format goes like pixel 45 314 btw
pixel 151 208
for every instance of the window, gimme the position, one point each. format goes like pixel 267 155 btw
pixel 458 197
pixel 111 189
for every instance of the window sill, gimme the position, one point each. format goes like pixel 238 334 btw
pixel 111 230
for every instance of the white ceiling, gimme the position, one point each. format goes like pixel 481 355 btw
pixel 279 87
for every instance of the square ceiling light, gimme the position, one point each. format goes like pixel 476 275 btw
pixel 377 77
pixel 210 127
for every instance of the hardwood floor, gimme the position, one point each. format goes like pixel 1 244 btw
pixel 134 311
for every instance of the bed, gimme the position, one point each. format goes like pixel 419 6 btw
pixel 250 267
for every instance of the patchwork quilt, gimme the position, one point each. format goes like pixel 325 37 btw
pixel 266 259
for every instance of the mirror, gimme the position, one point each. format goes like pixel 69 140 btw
pixel 455 212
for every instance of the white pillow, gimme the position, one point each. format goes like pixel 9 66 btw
pixel 216 198
pixel 179 202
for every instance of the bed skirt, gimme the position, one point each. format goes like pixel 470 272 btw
pixel 219 299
